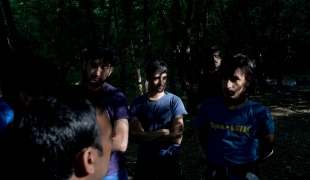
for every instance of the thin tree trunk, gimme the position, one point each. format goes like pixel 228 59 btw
pixel 14 36
pixel 107 28
pixel 126 7
pixel 175 35
pixel 61 56
pixel 137 68
pixel 164 26
pixel 147 44
pixel 186 58
pixel 92 26
pixel 4 46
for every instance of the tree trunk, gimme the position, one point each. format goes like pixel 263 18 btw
pixel 175 35
pixel 163 27
pixel 186 62
pixel 126 7
pixel 59 48
pixel 147 45
pixel 14 36
pixel 4 46
pixel 92 26
pixel 107 29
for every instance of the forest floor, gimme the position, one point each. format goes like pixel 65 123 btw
pixel 290 109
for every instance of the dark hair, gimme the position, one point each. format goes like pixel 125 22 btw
pixel 214 49
pixel 51 133
pixel 247 65
pixel 32 75
pixel 98 52
pixel 157 66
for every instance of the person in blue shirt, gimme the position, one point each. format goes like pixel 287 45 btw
pixel 235 132
pixel 6 114
pixel 156 125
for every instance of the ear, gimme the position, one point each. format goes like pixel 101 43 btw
pixel 24 99
pixel 84 64
pixel 111 70
pixel 84 163
pixel 248 81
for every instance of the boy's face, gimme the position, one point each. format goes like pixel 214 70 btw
pixel 234 85
pixel 157 82
pixel 216 59
pixel 97 71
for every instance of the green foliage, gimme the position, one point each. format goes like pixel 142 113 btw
pixel 275 31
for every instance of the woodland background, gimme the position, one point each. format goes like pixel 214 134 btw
pixel 274 32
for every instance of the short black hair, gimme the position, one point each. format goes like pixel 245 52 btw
pixel 32 75
pixel 214 49
pixel 156 66
pixel 99 52
pixel 53 130
pixel 247 65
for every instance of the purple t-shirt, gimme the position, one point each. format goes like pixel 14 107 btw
pixel 116 103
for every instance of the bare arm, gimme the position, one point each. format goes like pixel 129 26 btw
pixel 138 135
pixel 266 143
pixel 203 137
pixel 175 136
pixel 120 135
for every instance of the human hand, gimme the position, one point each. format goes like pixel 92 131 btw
pixel 136 125
pixel 164 131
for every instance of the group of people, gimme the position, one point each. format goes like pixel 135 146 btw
pixel 82 132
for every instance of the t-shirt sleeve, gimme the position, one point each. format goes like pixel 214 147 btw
pixel 120 107
pixel 178 107
pixel 267 122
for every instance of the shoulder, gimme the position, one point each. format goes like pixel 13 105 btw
pixel 139 99
pixel 256 106
pixel 213 101
pixel 171 96
pixel 258 111
pixel 111 90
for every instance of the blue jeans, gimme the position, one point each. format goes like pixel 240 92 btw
pixel 120 175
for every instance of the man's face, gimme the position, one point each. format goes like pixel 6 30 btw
pixel 158 82
pixel 106 141
pixel 97 71
pixel 235 85
pixel 216 59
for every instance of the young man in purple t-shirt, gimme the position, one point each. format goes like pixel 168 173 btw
pixel 98 65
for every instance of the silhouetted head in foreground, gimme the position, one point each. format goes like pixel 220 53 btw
pixel 59 138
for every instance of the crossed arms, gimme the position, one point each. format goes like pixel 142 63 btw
pixel 161 136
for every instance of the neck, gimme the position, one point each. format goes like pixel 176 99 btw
pixel 234 104
pixel 94 88
pixel 155 95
